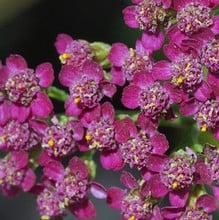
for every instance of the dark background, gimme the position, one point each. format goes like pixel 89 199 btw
pixel 30 30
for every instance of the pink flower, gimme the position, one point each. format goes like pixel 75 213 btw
pixel 86 85
pixel 133 203
pixel 146 15
pixel 153 98
pixel 68 189
pixel 172 175
pixel 205 113
pixel 136 144
pixel 128 62
pixel 72 52
pixel 17 130
pixel 60 140
pixel 15 175
pixel 100 135
pixel 202 209
pixel 23 86
pixel 194 15
pixel 185 71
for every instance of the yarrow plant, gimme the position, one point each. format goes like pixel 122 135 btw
pixel 163 139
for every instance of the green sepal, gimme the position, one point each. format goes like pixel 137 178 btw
pixel 100 52
pixel 56 93
pixel 207 137
pixel 33 157
pixel 121 114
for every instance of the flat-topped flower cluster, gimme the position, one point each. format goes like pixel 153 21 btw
pixel 179 89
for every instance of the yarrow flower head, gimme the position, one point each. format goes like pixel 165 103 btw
pixel 17 130
pixel 49 204
pixel 168 96
pixel 185 71
pixel 146 15
pixel 60 139
pixel 173 175
pixel 134 204
pixel 209 55
pixel 100 135
pixel 15 175
pixel 211 154
pixel 68 189
pixel 72 52
pixel 86 87
pixel 177 172
pixel 207 115
pixel 128 62
pixel 153 98
pixel 194 15
pixel 200 208
pixel 136 145
pixel 23 86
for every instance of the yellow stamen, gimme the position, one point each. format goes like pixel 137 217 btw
pixel 188 27
pixel 212 59
pixel 3 138
pixel 66 201
pixel 51 142
pixel 187 66
pixel 64 57
pixel 180 80
pixel 132 52
pixel 175 184
pixel 88 137
pixel 131 218
pixel 204 128
pixel 20 86
pixel 79 88
pixel 77 100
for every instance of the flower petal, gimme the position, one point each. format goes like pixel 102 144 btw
pixel 189 107
pixel 98 191
pixel 206 202
pixel 45 73
pixel 67 75
pixel 160 143
pixel 77 166
pixel 42 105
pixel 155 187
pixel 62 41
pixel 16 63
pixel 161 70
pixel 84 209
pixel 71 108
pixel 115 196
pixel 152 42
pixel 20 158
pixel 54 170
pixel 130 17
pixel 118 54
pixel 128 180
pixel 112 160
pixel 29 180
pixel 130 96
pixel 179 198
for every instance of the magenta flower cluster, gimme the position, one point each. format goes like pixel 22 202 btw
pixel 177 180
